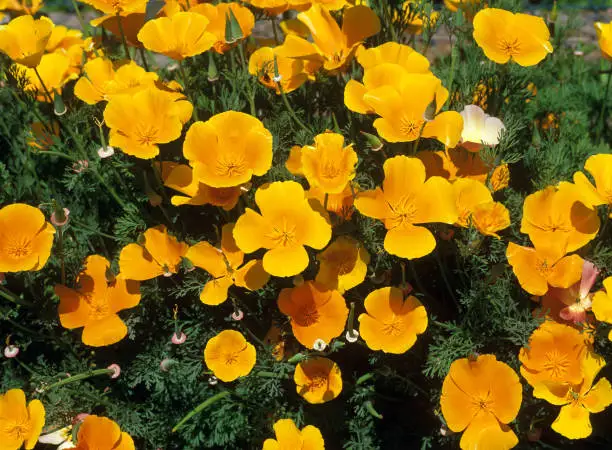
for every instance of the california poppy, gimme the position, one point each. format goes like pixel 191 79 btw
pixel 343 264
pixel 20 424
pixel 604 38
pixel 469 193
pixel 94 304
pixel 504 35
pixel 229 355
pixel 340 204
pixel 218 15
pixel 318 380
pixel 54 71
pixel 454 163
pixel 500 178
pixel 413 18
pixel 287 222
pixel 602 304
pixel 288 436
pixel 315 312
pixel 266 66
pixel 391 322
pixel 103 434
pixel 24 39
pixel 25 238
pixel 118 7
pixel 159 254
pixel 489 218
pixel 479 128
pixel 405 202
pixel 480 397
pixel 600 168
pixel 225 267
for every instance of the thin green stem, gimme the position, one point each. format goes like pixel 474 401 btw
pixel 250 90
pixel 201 407
pixel 80 18
pixel 60 250
pixel 54 153
pixel 12 297
pixel 79 377
pixel 143 56
pixel 81 227
pixel 186 89
pixel 266 374
pixel 290 109
pixel 42 83
pixel 602 112
pixel 444 277
pixel 123 39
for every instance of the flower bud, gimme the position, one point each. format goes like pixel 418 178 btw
pixel 106 152
pixel 373 141
pixel 319 345
pixel 116 370
pixel 178 339
pixel 11 351
pixel 59 217
pixel 237 315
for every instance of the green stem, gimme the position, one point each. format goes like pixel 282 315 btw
pixel 266 374
pixel 290 109
pixel 80 18
pixel 58 154
pixel 351 319
pixel 601 120
pixel 143 56
pixel 123 39
pixel 82 227
pixel 10 296
pixel 370 408
pixel 42 83
pixel 445 278
pixel 110 190
pixel 79 377
pixel 186 89
pixel 60 250
pixel 202 406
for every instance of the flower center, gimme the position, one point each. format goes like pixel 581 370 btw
pixel 317 382
pixel 556 363
pixel 411 127
pixel 343 262
pixel 330 169
pixel 147 135
pixel 510 47
pixel 98 306
pixel 231 165
pixel 543 267
pixel 283 236
pixel 308 315
pixel 230 358
pixel 19 248
pixel 18 431
pixel 404 212
pixel 393 328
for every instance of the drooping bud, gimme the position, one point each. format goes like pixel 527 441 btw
pixel 233 32
pixel 116 370
pixel 374 142
pixel 59 108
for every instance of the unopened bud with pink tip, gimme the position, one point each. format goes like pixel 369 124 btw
pixel 80 166
pixel 116 370
pixel 237 315
pixel 59 217
pixel 11 351
pixel 178 339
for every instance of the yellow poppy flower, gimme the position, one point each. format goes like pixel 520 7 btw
pixel 469 194
pixel 178 37
pixel 139 122
pixel 102 433
pixel 558 216
pixel 286 224
pixel 536 268
pixel 229 355
pixel 228 149
pixel 118 7
pixel 294 26
pixel 480 398
pixel 412 20
pixel 604 38
pixel 391 322
pixel 294 162
pixel 226 268
pixel 24 39
pixel 20 424
pixel 25 238
pixel 503 35
pixel 218 15
pixel 315 312
pixel 29 7
pixel 318 380
pixel 343 265
pixel 404 202
pixel 489 218
pixel 500 178
pixel 290 71
pixel 159 254
pixel 340 204
pixel 62 38
pixel 54 71
pixel 333 46
pixel 329 165
pixel 600 168
pixel 95 303
pixel 288 436
pixel 602 304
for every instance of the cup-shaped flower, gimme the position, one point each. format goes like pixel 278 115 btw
pixel 480 397
pixel 503 35
pixel 54 71
pixel 139 122
pixel 218 16
pixel 405 201
pixel 159 254
pixel 559 216
pixel 537 268
pixel 225 265
pixel 315 312
pixel 94 304
pixel 602 304
pixel 600 168
pixel 329 165
pixel 228 149
pixel 20 424
pixel 26 238
pixel 394 53
pixel 178 37
pixel 103 434
pixel 287 223
pixel 318 380
pixel 290 71
pixel 489 218
pixel 604 38
pixel 340 204
pixel 288 436
pixel 469 193
pixel 24 39
pixel 118 7
pixel 479 128
pixel 343 265
pixel 229 355
pixel 403 121
pixel 554 356
pixel 332 45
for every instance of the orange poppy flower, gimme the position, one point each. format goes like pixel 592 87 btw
pixel 536 268
pixel 404 202
pixel 290 71
pixel 604 38
pixel 600 168
pixel 469 194
pixel 315 312
pixel 159 254
pixel 139 122
pixel 318 380
pixel 24 39
pixel 329 165
pixel 287 222
pixel 25 238
pixel 392 322
pixel 224 265
pixel 602 304
pixel 489 218
pixel 332 46
pixel 557 216
pixel 103 434
pixel 180 178
pixel 229 355
pixel 178 37
pixel 288 436
pixel 20 424
pixel 503 35
pixel 218 15
pixel 340 204
pixel 500 178
pixel 62 38
pixel 554 356
pixel 54 71
pixel 481 397
pixel 343 265
pixel 95 303
pixel 454 163
pixel 118 7
pixel 228 149
pixel 294 162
